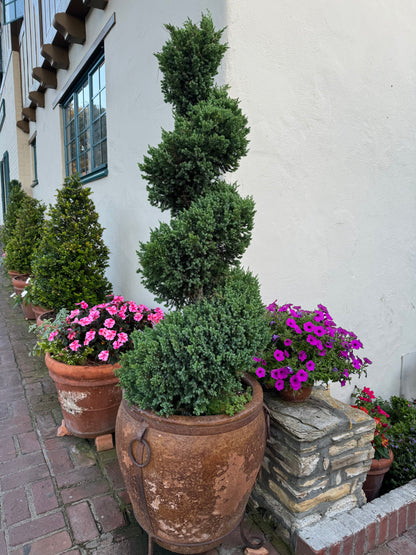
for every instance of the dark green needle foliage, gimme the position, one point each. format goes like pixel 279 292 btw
pixel 192 362
pixel 16 196
pixel 70 262
pixel 27 236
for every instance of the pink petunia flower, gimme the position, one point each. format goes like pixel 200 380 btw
pixel 138 316
pixel 94 314
pixel 89 336
pixel 110 334
pixel 109 323
pixel 112 310
pixel 85 321
pixel 103 356
pixel 75 345
pixel 122 337
pixel 52 335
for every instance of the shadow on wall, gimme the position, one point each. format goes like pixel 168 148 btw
pixel 408 376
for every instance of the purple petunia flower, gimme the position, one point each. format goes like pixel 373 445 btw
pixel 260 372
pixel 319 331
pixel 356 344
pixel 287 342
pixel 297 330
pixel 279 356
pixel 282 373
pixel 308 326
pixel 311 340
pixel 302 375
pixel 291 323
pixel 295 382
pixel 272 307
pixel 302 356
pixel 279 385
pixel 310 366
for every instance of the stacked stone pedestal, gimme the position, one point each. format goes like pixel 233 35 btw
pixel 316 461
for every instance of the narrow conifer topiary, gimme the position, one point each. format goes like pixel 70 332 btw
pixel 192 362
pixel 16 196
pixel 70 262
pixel 27 236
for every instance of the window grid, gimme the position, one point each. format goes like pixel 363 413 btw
pixel 12 10
pixel 85 130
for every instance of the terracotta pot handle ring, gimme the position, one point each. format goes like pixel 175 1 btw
pixel 140 439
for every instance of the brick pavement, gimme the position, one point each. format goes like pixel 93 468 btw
pixel 58 494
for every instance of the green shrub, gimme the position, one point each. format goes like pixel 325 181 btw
pixel 28 233
pixel 69 264
pixel 402 441
pixel 192 362
pixel 16 196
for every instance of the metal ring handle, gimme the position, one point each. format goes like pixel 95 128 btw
pixel 140 439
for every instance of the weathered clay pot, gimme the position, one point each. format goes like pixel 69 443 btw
pixel 89 396
pixel 39 310
pixel 13 273
pixel 189 478
pixel 375 476
pixel 296 396
pixel 19 283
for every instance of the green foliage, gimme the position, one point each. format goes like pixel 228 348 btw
pixel 402 441
pixel 16 196
pixel 192 361
pixel 28 233
pixel 190 258
pixel 71 259
pixel 205 143
pixel 189 62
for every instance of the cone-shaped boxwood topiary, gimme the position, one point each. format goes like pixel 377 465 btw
pixel 16 196
pixel 70 262
pixel 193 361
pixel 28 233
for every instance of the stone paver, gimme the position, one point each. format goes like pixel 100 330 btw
pixel 57 494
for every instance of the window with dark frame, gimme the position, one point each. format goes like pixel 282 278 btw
pixel 12 10
pixel 85 125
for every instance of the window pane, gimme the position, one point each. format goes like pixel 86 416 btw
pixel 70 111
pixel 95 78
pixel 103 101
pixel 104 126
pixel 95 107
pixel 97 156
pixel 102 75
pixel 104 151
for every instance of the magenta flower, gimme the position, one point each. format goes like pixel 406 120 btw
pixel 260 372
pixel 319 316
pixel 319 331
pixel 112 310
pixel 274 373
pixel 122 313
pixel 287 342
pixel 302 356
pixel 295 382
pixel 310 366
pixel 94 314
pixel 311 340
pixel 71 335
pixel 138 316
pixel 356 344
pixel 75 345
pixel 282 373
pixel 302 375
pixel 367 361
pixel 103 356
pixel 322 353
pixel 346 374
pixel 118 299
pixel 73 313
pixel 109 323
pixel 279 385
pixel 319 345
pixel 309 327
pixel 102 331
pixel 291 323
pixel 82 304
pixel 271 307
pixel 297 329
pixel 133 307
pixel 85 321
pixel 279 356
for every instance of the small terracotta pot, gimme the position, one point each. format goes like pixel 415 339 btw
pixel 375 476
pixel 189 477
pixel 39 310
pixel 296 396
pixel 19 283
pixel 13 273
pixel 89 396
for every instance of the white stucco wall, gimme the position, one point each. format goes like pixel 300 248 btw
pixel 329 91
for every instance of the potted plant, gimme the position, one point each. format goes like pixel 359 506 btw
pixel 82 349
pixel 70 262
pixel 366 401
pixel 21 246
pixel 306 346
pixel 190 432
pixel 16 196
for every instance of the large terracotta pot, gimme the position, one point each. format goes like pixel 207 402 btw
pixel 375 476
pixel 13 273
pixel 189 478
pixel 19 283
pixel 89 396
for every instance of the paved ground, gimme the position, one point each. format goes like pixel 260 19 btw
pixel 58 495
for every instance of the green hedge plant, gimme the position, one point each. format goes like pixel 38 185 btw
pixel 69 264
pixel 16 196
pixel 192 362
pixel 27 235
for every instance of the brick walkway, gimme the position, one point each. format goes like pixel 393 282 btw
pixel 58 495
